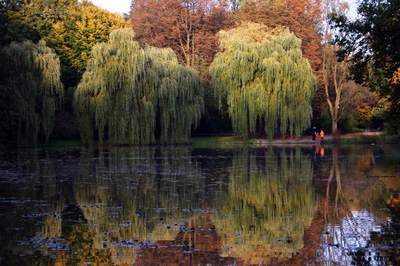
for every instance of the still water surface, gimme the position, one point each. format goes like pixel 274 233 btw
pixel 187 206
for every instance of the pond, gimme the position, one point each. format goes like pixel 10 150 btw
pixel 311 205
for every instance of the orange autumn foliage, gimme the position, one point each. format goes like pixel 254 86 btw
pixel 188 27
pixel 300 16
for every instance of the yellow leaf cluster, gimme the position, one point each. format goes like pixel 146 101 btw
pixel 396 77
pixel 84 26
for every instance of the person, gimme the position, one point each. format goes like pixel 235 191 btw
pixel 314 132
pixel 317 136
pixel 322 135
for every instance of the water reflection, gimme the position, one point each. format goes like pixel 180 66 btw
pixel 178 205
pixel 268 203
pixel 356 205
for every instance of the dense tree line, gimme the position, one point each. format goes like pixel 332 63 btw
pixel 179 62
pixel 373 41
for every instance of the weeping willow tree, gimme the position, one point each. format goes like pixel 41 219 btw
pixel 32 88
pixel 265 79
pixel 127 91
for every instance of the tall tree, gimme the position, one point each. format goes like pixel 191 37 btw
pixel 265 78
pixel 189 27
pixel 73 37
pixel 30 90
pixel 373 39
pixel 30 19
pixel 339 91
pixel 68 26
pixel 303 18
pixel 127 90
pixel 335 79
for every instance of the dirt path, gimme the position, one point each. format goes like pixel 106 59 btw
pixel 307 140
pixel 355 135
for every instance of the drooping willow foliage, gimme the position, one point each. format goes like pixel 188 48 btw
pixel 264 78
pixel 34 87
pixel 126 90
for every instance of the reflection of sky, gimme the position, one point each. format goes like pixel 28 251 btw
pixel 352 235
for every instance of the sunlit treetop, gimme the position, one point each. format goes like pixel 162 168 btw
pixel 83 26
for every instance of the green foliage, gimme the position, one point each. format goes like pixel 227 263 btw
pixel 223 142
pixel 83 26
pixel 373 41
pixel 69 27
pixel 392 116
pixel 323 121
pixel 265 78
pixel 126 88
pixel 30 20
pixel 215 120
pixel 348 124
pixel 30 91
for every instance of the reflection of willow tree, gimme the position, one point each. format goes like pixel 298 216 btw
pixel 198 243
pixel 270 199
pixel 38 206
pixel 138 194
pixel 80 241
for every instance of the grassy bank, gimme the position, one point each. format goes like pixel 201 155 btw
pixel 220 141
pixel 346 139
pixel 363 138
pixel 60 143
pixel 226 141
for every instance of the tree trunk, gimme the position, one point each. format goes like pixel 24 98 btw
pixel 334 127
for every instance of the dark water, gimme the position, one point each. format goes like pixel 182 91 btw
pixel 187 206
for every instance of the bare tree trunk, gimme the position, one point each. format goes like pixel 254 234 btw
pixel 334 127
pixel 335 76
